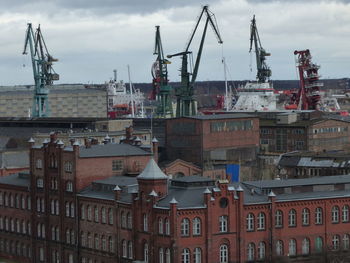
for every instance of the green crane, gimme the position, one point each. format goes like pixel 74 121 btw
pixel 44 75
pixel 263 71
pixel 161 89
pixel 185 101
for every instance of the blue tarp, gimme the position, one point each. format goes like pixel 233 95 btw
pixel 232 170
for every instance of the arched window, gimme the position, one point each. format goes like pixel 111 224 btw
pixel 196 225
pixel 17 201
pixel 167 256
pixel 279 248
pixel 145 222
pixel 335 242
pixel 103 215
pixel 57 207
pixel 72 209
pixel 96 214
pixel 57 233
pixel 52 207
pixel 24 226
pixel 23 202
pixel 346 242
pixel 97 243
pixel 90 242
pixel 161 255
pixel 89 213
pixel 130 251
pixel 345 213
pixel 185 256
pixel 29 203
pixel 250 222
pixel 167 226
pixel 145 253
pixel 123 219
pixel 67 209
pixel 318 216
pixel 305 246
pixel 335 214
pixel 261 221
pixel 160 225
pixel 110 216
pixel 185 227
pixel 305 216
pixel 278 218
pixel 319 244
pixel 292 247
pixel 124 249
pixel 250 252
pixel 223 224
pixel 104 243
pixel 12 201
pixel 18 226
pixel 12 221
pixel 261 250
pixel 197 255
pixel 292 218
pixel 129 220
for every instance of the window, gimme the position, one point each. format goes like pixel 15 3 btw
pixel 82 212
pixel 89 213
pixel 261 250
pixel 72 209
pixel 123 219
pixel 68 167
pixel 250 222
pixel 6 200
pixel 129 220
pixel 292 217
pixel 223 224
pixel 17 201
pixel 130 251
pixel 185 227
pixel 345 213
pixel 346 242
pixel 167 226
pixel 167 256
pixel 335 242
pixel 305 216
pixel 1 199
pixel 250 252
pixel 292 247
pixel 104 243
pixel 160 225
pixel 97 242
pixel 69 186
pixel 29 203
pixel 305 246
pixel 103 215
pixel 279 248
pixel 185 256
pixel 197 255
pixel 261 221
pixel 110 216
pixel 124 249
pixel 319 244
pixel 40 183
pixel 117 165
pixel 111 244
pixel 196 226
pixel 318 216
pixel 145 222
pixel 89 239
pixel 70 258
pixel 96 214
pixel 145 253
pixel 335 214
pixel 67 209
pixel 52 207
pixel 82 239
pixel 39 164
pixel 12 202
pixel 279 218
pixel 41 254
pixel 161 255
pixel 68 236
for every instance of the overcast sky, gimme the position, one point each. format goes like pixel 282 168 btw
pixel 91 38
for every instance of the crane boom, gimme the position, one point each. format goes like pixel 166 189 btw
pixel 42 70
pixel 185 101
pixel 263 71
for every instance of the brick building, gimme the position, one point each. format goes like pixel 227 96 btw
pixel 211 140
pixel 75 207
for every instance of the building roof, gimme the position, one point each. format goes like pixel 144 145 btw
pixel 222 116
pixel 193 178
pixel 152 172
pixel 14 159
pixel 18 179
pixel 321 180
pixel 111 149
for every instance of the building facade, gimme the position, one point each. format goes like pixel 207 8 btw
pixel 77 206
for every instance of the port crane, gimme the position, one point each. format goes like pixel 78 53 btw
pixel 185 101
pixel 263 71
pixel 44 75
pixel 161 88
pixel 307 97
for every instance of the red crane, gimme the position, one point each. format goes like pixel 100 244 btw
pixel 307 97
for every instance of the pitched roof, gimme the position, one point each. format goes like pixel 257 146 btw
pixel 152 172
pixel 111 149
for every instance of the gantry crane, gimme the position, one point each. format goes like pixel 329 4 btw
pixel 161 89
pixel 263 71
pixel 44 75
pixel 185 100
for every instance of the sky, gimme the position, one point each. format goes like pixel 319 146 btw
pixel 91 38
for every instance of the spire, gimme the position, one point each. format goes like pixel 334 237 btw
pixel 152 172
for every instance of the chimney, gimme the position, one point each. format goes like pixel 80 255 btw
pixel 31 142
pixel 128 133
pixel 155 144
pixel 53 137
pixel 87 143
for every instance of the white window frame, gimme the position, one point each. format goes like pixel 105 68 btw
pixel 223 224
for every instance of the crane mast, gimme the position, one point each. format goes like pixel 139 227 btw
pixel 161 89
pixel 263 71
pixel 44 75
pixel 185 101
